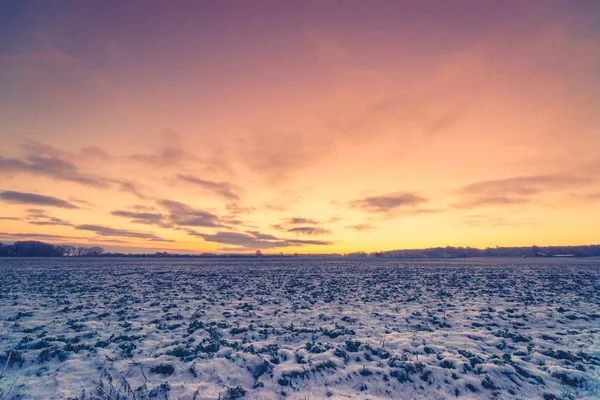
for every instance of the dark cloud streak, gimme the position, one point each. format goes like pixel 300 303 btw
pixel 34 199
pixel 36 216
pixel 254 240
pixel 301 221
pixel 107 231
pixel 176 215
pixel 309 230
pixel 183 215
pixel 387 203
pixel 361 227
pixel 223 189
pixel 518 190
pixel 51 167
pixel 146 218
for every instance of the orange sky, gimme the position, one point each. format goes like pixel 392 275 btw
pixel 310 127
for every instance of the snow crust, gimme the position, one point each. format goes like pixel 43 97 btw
pixel 299 329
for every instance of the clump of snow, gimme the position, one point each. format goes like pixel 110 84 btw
pixel 272 329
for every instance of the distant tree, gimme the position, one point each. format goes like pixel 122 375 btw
pixel 94 251
pixel 32 248
pixel 357 254
pixel 69 251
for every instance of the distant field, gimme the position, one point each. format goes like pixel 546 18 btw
pixel 299 329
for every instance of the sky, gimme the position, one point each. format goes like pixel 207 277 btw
pixel 300 126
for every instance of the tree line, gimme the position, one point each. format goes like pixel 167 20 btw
pixel 465 252
pixel 32 248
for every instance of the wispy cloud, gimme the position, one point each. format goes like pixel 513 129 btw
pixel 361 227
pixel 81 201
pixel 129 186
pixel 518 190
pixel 245 240
pixel 235 209
pixel 181 214
pixel 97 153
pixel 253 240
pixel 490 220
pixel 526 185
pixel 44 160
pixel 284 201
pixel 36 216
pixel 174 215
pixel 53 163
pixel 584 198
pixel 309 242
pixel 223 189
pixel 309 230
pixel 492 200
pixel 172 155
pixel 52 222
pixel 34 235
pixel 264 236
pixel 107 231
pixel 34 199
pixel 301 226
pixel 387 203
pixel 169 154
pixel 52 237
pixel 51 167
pixel 301 221
pixel 276 157
pixel 148 218
pixel 88 153
pixel 165 157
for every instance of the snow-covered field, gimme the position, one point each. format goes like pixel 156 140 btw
pixel 299 329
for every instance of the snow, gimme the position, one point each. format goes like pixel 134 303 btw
pixel 299 329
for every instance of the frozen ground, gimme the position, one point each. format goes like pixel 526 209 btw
pixel 298 329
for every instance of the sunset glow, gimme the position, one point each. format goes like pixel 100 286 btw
pixel 300 126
